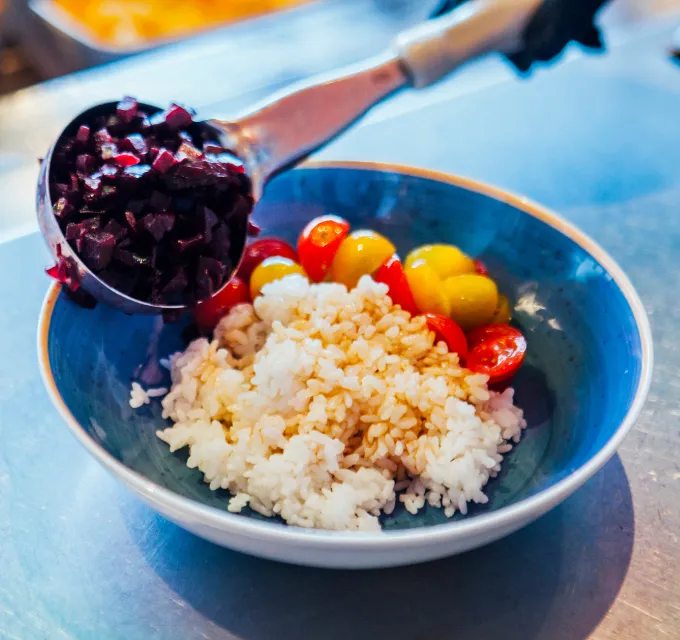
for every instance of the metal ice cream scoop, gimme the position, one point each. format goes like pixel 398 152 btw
pixel 289 126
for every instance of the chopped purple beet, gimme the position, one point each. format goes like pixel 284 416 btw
pixel 85 164
pixel 97 249
pixel 108 171
pixel 178 282
pixel 83 134
pixel 213 149
pixel 164 161
pixel 130 259
pixel 187 150
pixel 177 117
pixel 126 159
pixel 102 137
pixel 108 151
pixel 136 143
pixel 160 232
pixel 62 209
pixel 93 183
pixel 160 201
pixel 158 224
pixel 116 230
pixel 185 245
pixel 76 230
pixel 131 220
pixel 127 110
pixel 136 173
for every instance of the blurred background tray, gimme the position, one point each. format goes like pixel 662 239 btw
pixel 54 43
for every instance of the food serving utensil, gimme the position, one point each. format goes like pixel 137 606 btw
pixel 290 125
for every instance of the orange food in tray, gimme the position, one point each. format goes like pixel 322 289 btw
pixel 133 23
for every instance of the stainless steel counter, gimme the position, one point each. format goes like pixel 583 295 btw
pixel 596 138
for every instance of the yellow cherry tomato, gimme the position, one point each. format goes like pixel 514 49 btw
pixel 503 313
pixel 361 253
pixel 445 259
pixel 270 269
pixel 472 298
pixel 426 287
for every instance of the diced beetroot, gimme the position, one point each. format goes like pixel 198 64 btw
pixel 210 220
pixel 93 183
pixel 136 143
pixel 159 201
pixel 78 230
pixel 178 282
pixel 127 110
pixel 86 164
pixel 108 171
pixel 102 137
pixel 187 150
pixel 159 233
pixel 254 229
pixel 177 117
pixel 131 220
pixel 212 148
pixel 136 173
pixel 130 258
pixel 214 268
pixel 164 161
pixel 62 209
pixel 221 242
pixel 108 151
pixel 115 229
pixel 97 249
pixel 187 244
pixel 158 224
pixel 83 134
pixel 126 159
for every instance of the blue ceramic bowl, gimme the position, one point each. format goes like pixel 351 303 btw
pixel 586 376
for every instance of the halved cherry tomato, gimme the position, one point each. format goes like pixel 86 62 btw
pixel 318 244
pixel 361 253
pixel 257 251
pixel 209 312
pixel 448 331
pixel 392 274
pixel 427 290
pixel 445 259
pixel 473 299
pixel 503 313
pixel 480 268
pixel 270 269
pixel 496 350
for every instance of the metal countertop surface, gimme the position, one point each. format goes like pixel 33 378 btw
pixel 595 138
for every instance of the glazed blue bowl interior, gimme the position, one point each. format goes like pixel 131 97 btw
pixel 584 348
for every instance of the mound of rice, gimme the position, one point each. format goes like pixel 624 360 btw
pixel 325 406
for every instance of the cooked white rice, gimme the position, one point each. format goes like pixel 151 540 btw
pixel 325 406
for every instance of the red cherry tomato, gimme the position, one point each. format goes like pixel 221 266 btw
pixel 392 274
pixel 209 312
pixel 480 268
pixel 259 250
pixel 496 350
pixel 489 332
pixel 448 331
pixel 319 242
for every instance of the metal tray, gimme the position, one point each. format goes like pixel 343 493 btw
pixel 60 45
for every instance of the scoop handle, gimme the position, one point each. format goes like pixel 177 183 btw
pixel 291 125
pixel 433 49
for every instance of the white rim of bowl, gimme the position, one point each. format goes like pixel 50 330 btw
pixel 329 540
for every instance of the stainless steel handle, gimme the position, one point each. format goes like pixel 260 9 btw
pixel 291 125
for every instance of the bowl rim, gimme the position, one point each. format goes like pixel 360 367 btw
pixel 518 513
